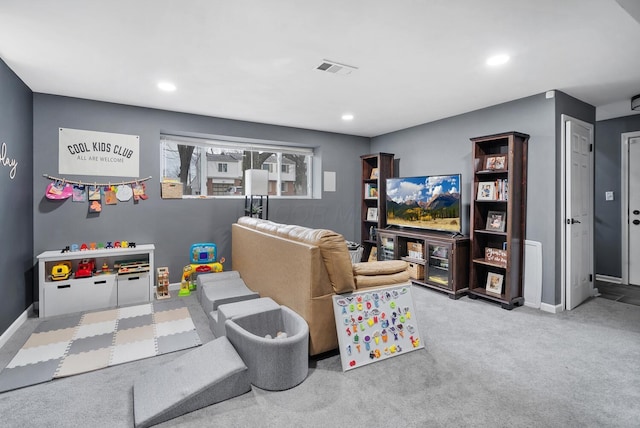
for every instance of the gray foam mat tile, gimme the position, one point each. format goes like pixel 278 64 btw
pixel 178 341
pixel 92 343
pixel 21 376
pixel 139 321
pixel 58 324
pixel 167 305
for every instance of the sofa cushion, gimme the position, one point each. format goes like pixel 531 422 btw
pixel 380 267
pixel 333 248
pixel 364 281
pixel 337 261
pixel 334 251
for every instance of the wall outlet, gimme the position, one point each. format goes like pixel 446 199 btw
pixel 608 196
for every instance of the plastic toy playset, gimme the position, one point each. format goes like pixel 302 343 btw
pixel 204 259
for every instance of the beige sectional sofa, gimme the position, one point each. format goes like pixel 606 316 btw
pixel 302 268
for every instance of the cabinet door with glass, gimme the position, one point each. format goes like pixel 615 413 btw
pixel 386 246
pixel 438 256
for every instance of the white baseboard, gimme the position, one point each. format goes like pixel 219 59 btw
pixel 15 326
pixel 554 309
pixel 607 278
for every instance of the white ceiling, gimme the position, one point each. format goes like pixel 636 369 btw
pixel 418 61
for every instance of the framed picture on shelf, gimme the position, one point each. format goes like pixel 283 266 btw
pixel 496 221
pixel 500 162
pixel 372 214
pixel 495 162
pixel 490 162
pixel 370 191
pixel 374 173
pixel 486 191
pixel 494 283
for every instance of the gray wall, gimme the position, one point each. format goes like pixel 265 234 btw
pixel 608 227
pixel 16 219
pixel 444 147
pixel 173 225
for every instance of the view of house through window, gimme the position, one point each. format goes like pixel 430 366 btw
pixel 216 168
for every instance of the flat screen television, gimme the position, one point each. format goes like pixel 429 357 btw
pixel 430 202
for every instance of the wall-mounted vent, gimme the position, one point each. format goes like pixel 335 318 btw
pixel 335 67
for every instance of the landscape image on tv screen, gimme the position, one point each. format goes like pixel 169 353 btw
pixel 425 202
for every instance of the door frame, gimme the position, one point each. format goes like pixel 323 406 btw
pixel 563 204
pixel 624 196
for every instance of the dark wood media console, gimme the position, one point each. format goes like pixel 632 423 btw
pixel 438 260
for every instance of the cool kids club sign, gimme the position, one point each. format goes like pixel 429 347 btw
pixel 98 153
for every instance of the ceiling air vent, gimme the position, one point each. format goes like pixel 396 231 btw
pixel 335 67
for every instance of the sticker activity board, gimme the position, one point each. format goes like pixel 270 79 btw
pixel 375 324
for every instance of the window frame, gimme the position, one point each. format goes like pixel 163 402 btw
pixel 245 145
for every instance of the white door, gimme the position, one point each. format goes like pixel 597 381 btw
pixel 579 212
pixel 634 211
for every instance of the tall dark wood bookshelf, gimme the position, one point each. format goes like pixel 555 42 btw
pixel 376 168
pixel 498 218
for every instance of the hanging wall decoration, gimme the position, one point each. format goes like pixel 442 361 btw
pixel 61 189
pixel 58 190
pixel 79 193
pixel 105 154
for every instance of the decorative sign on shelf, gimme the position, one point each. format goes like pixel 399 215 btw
pixel 6 161
pixel 496 256
pixel 106 154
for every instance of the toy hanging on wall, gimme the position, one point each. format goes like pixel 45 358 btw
pixel 204 259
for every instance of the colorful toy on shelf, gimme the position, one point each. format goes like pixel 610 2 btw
pixel 204 259
pixel 61 271
pixel 105 268
pixel 85 268
pixel 132 266
pixel 162 286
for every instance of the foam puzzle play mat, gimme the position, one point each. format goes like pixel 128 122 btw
pixel 84 342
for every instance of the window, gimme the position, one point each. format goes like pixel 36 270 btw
pixel 215 167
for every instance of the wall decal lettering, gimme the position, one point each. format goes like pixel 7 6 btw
pixel 6 161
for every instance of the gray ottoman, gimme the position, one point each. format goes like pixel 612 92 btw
pixel 208 278
pixel 226 291
pixel 274 364
pixel 230 311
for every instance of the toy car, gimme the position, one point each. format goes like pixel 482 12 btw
pixel 85 268
pixel 61 271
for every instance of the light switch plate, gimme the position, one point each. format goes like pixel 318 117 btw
pixel 608 196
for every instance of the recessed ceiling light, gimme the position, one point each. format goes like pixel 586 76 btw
pixel 166 86
pixel 498 60
pixel 347 117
